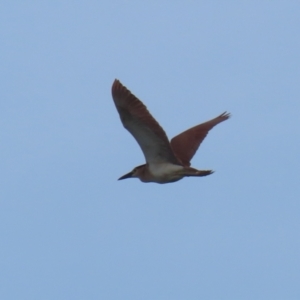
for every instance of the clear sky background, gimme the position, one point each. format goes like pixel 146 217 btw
pixel 69 229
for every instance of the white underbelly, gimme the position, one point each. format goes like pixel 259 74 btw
pixel 165 172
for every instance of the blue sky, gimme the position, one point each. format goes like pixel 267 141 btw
pixel 69 229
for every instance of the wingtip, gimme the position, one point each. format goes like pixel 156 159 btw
pixel 226 115
pixel 117 87
pixel 116 83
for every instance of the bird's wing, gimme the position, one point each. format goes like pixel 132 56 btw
pixel 144 128
pixel 187 143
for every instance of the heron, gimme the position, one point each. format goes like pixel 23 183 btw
pixel 166 161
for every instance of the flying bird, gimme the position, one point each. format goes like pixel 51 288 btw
pixel 166 161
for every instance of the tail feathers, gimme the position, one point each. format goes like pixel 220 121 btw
pixel 197 173
pixel 204 172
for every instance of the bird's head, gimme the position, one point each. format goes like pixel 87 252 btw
pixel 135 173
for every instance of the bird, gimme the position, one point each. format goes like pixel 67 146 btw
pixel 166 161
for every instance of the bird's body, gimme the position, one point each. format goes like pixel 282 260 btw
pixel 162 173
pixel 165 161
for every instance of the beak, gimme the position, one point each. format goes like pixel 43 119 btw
pixel 128 175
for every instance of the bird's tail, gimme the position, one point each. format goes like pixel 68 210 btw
pixel 198 173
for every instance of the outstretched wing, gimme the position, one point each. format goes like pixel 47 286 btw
pixel 187 143
pixel 144 128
